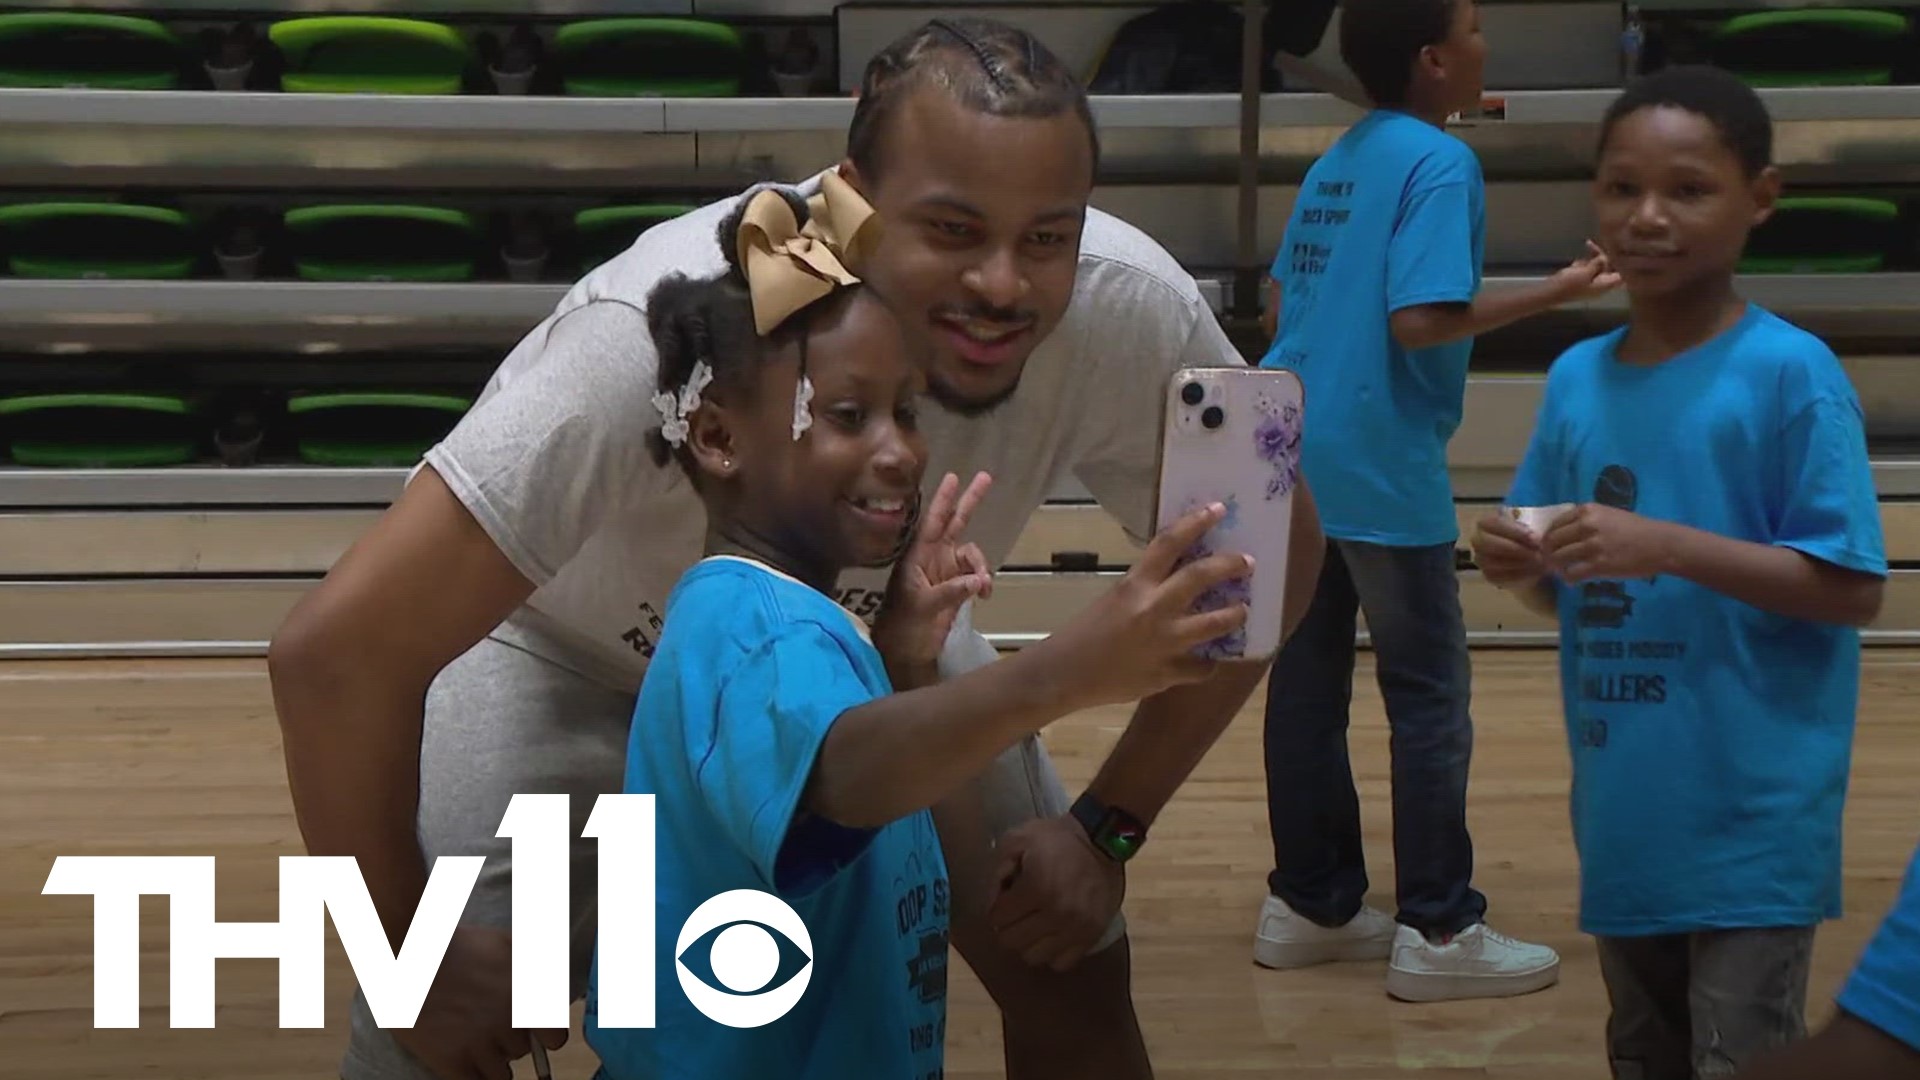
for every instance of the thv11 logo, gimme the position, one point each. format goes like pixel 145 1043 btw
pixel 396 984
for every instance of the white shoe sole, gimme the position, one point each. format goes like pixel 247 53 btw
pixel 1292 955
pixel 1418 987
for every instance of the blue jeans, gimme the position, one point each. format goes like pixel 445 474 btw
pixel 1411 597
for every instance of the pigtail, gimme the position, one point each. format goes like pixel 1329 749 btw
pixel 694 323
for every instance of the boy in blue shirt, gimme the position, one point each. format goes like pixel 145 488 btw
pixel 1875 1034
pixel 1377 286
pixel 1721 548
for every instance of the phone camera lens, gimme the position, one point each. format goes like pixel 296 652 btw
pixel 1193 393
pixel 1213 417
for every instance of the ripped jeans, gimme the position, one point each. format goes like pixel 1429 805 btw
pixel 1700 1006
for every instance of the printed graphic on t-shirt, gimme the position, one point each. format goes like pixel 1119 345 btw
pixel 1617 487
pixel 1325 215
pixel 1311 253
pixel 920 924
pixel 864 603
pixel 1607 605
pixel 644 636
pixel 1632 671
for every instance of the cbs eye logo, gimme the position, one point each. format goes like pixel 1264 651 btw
pixel 736 939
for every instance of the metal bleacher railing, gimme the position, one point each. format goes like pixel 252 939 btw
pixel 205 556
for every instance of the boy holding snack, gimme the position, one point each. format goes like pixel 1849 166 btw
pixel 1722 550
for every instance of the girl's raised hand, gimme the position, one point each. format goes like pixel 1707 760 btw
pixel 940 571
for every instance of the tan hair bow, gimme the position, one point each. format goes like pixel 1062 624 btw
pixel 789 266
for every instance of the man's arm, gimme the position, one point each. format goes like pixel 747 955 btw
pixel 350 670
pixel 461 548
pixel 1172 731
pixel 1058 893
pixel 456 553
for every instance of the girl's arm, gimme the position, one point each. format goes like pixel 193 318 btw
pixel 904 752
pixel 907 751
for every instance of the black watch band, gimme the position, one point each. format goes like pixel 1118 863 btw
pixel 1117 834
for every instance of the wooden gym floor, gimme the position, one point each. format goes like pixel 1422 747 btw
pixel 183 758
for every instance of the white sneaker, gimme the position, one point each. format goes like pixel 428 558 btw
pixel 1477 963
pixel 1285 939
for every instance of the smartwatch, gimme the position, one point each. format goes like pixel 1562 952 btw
pixel 1117 834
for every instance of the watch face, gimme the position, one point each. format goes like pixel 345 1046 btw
pixel 1122 841
pixel 1113 831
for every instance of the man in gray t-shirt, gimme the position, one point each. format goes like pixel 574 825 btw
pixel 488 636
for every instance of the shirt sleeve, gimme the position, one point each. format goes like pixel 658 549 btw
pixel 558 449
pixel 1431 256
pixel 966 648
pixel 1146 330
pixel 1884 988
pixel 1830 509
pixel 777 705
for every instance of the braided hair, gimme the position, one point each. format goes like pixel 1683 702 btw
pixel 988 66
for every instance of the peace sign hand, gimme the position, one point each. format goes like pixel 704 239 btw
pixel 939 573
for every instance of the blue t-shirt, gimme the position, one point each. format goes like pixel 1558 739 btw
pixel 1392 216
pixel 1710 740
pixel 1884 988
pixel 752 670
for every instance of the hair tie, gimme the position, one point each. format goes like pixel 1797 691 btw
pixel 674 411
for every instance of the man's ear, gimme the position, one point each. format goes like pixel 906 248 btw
pixel 1766 194
pixel 710 441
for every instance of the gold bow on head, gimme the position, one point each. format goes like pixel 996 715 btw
pixel 789 266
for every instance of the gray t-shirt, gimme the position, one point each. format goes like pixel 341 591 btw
pixel 552 460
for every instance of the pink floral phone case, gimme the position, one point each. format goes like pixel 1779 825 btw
pixel 1232 435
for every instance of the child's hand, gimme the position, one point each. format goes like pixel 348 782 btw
pixel 1585 279
pixel 1604 542
pixel 1139 638
pixel 1507 552
pixel 939 573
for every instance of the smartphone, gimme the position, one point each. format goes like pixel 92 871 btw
pixel 1232 435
